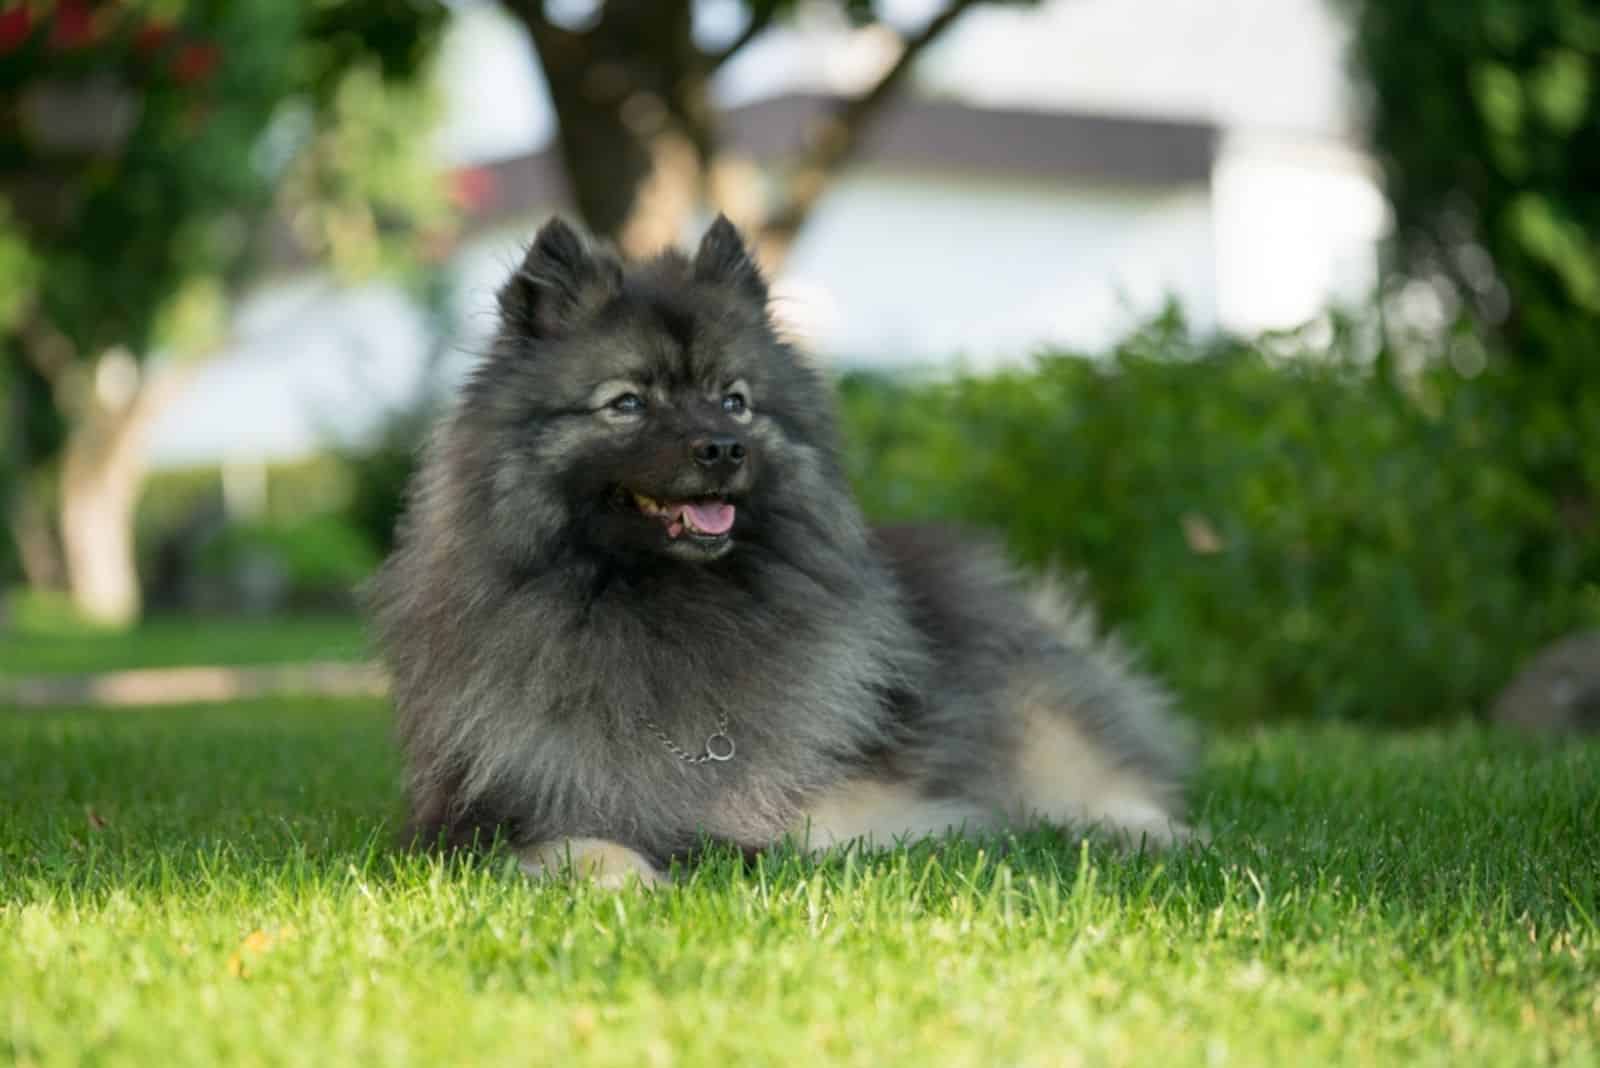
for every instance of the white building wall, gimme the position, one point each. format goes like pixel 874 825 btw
pixel 313 363
pixel 1298 229
pixel 893 270
pixel 902 269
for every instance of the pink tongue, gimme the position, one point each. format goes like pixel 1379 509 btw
pixel 711 517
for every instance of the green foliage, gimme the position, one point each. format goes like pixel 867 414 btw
pixel 342 505
pixel 10 565
pixel 1486 117
pixel 324 525
pixel 378 475
pixel 121 212
pixel 316 556
pixel 394 38
pixel 19 267
pixel 45 616
pixel 1282 532
pixel 152 155
pixel 364 193
pixel 9 473
pixel 1285 538
pixel 136 180
pixel 295 490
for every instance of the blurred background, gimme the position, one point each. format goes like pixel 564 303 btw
pixel 1277 319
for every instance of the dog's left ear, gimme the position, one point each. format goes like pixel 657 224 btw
pixel 724 258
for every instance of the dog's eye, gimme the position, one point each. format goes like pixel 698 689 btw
pixel 734 403
pixel 628 404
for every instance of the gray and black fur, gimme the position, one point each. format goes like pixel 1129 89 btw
pixel 541 627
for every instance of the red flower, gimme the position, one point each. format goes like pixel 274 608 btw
pixel 14 27
pixel 73 26
pixel 196 62
pixel 472 188
pixel 151 36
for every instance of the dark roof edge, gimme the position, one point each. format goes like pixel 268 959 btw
pixel 927 134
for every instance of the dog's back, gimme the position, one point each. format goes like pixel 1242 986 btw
pixel 1025 712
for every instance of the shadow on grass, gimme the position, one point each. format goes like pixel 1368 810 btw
pixel 158 801
pixel 40 650
pixel 141 797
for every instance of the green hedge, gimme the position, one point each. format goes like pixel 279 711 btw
pixel 1280 531
pixel 320 554
pixel 1283 538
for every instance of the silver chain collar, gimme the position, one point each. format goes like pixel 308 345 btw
pixel 719 746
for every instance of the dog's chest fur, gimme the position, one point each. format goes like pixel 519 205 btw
pixel 800 681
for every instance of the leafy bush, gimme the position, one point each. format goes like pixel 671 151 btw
pixel 312 563
pixel 10 565
pixel 47 614
pixel 1489 139
pixel 189 542
pixel 379 472
pixel 1283 533
pixel 295 490
pixel 1284 538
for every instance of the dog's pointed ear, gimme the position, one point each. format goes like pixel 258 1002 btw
pixel 724 258
pixel 560 282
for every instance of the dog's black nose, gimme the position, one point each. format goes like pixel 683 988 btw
pixel 717 450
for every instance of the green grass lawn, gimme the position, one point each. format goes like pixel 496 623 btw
pixel 55 648
pixel 215 885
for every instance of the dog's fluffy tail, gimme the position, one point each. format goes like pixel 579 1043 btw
pixel 1141 724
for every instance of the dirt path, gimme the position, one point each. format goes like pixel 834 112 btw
pixel 192 685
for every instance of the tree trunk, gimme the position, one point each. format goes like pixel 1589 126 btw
pixel 27 517
pixel 37 549
pixel 101 475
pixel 639 139
pixel 634 122
pixel 837 139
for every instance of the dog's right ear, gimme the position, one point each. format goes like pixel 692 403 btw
pixel 561 281
pixel 724 258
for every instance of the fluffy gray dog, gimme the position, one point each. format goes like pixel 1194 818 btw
pixel 634 608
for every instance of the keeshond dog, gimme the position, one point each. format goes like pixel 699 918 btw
pixel 634 608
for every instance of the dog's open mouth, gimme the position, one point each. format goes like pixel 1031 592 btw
pixel 702 518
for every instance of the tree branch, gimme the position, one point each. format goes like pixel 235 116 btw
pixel 760 19
pixel 545 33
pixel 838 137
pixel 46 350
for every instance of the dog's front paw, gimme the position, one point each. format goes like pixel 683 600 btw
pixel 604 863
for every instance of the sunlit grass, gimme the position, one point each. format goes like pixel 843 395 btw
pixel 217 885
